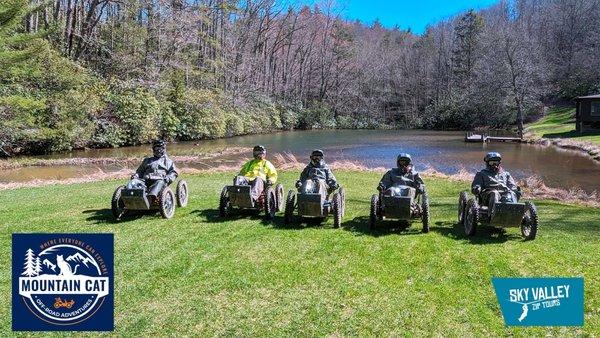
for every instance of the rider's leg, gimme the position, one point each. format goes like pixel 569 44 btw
pixel 493 197
pixel 256 187
pixel 156 187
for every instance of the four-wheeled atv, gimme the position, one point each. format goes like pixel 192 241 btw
pixel 125 199
pixel 239 196
pixel 472 212
pixel 312 203
pixel 402 203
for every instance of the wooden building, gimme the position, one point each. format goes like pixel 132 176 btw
pixel 587 113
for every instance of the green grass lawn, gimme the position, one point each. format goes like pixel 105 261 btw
pixel 560 123
pixel 200 275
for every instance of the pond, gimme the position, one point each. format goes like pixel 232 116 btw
pixel 442 151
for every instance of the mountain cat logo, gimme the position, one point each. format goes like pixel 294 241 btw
pixel 540 301
pixel 62 282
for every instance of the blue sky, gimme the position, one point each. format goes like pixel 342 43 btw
pixel 415 14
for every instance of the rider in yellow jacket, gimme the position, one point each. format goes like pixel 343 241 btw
pixel 257 172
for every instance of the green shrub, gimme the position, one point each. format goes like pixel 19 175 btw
pixel 203 118
pixel 137 112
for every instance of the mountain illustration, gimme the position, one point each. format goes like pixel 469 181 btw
pixel 78 258
pixel 49 264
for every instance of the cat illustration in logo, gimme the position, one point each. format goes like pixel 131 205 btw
pixel 65 268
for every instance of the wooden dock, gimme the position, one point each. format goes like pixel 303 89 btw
pixel 490 136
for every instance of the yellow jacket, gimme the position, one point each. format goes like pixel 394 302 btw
pixel 259 168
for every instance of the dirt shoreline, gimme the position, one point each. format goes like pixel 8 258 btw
pixel 586 148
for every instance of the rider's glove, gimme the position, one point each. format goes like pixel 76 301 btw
pixel 477 190
pixel 381 187
pixel 135 176
pixel 421 189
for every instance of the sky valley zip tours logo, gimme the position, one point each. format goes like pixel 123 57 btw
pixel 63 282
pixel 540 301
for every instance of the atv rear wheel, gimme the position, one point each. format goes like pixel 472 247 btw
pixel 337 210
pixel 290 205
pixel 425 212
pixel 117 205
pixel 224 203
pixel 472 217
pixel 462 207
pixel 270 203
pixel 529 226
pixel 182 193
pixel 374 211
pixel 167 203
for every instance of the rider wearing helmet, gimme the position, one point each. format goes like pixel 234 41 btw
pixel 318 171
pixel 493 183
pixel 257 172
pixel 402 175
pixel 155 172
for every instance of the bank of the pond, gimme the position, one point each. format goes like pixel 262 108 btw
pixel 200 275
pixel 557 129
pixel 533 187
pixel 445 152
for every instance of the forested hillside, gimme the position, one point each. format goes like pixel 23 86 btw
pixel 107 73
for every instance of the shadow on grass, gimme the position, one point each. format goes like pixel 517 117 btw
pixel 99 216
pixel 212 215
pixel 300 223
pixel 484 234
pixel 360 226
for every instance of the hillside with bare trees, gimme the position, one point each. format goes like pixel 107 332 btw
pixel 107 73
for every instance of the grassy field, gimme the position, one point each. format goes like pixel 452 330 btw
pixel 199 275
pixel 560 123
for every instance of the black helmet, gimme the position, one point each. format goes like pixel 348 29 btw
pixel 405 157
pixel 317 152
pixel 158 143
pixel 316 157
pixel 258 150
pixel 492 156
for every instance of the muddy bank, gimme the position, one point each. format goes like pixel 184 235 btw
pixel 587 148
pixel 121 161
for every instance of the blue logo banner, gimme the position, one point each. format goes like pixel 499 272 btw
pixel 540 301
pixel 62 282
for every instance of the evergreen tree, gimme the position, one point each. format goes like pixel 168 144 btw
pixel 15 46
pixel 29 266
pixel 38 266
pixel 466 41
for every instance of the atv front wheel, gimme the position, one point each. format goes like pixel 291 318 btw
pixel 270 203
pixel 224 203
pixel 462 207
pixel 279 196
pixel 290 205
pixel 529 226
pixel 167 203
pixel 117 205
pixel 342 193
pixel 373 214
pixel 472 217
pixel 182 193
pixel 425 212
pixel 337 210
